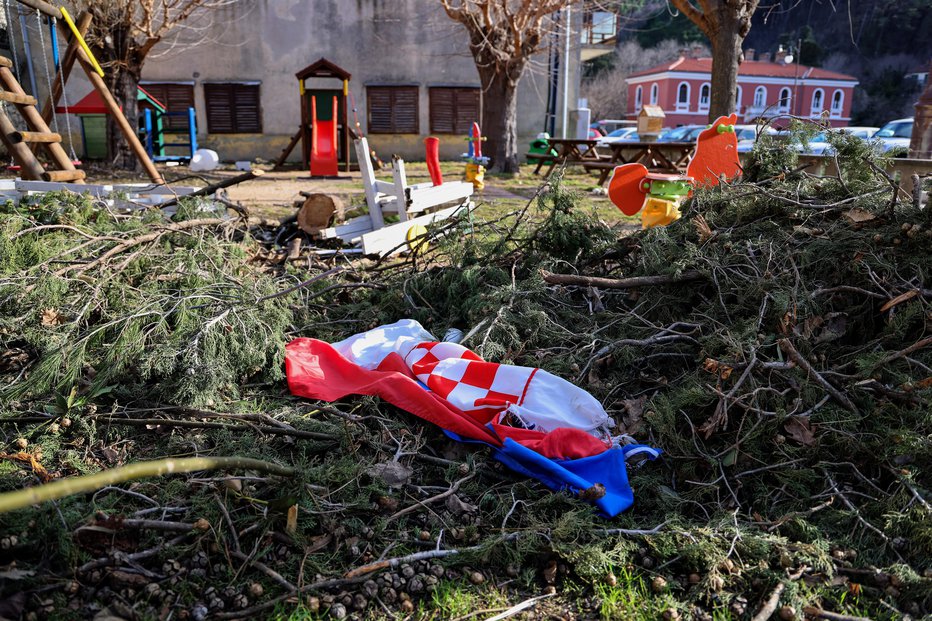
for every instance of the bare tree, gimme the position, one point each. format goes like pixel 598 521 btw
pixel 503 36
pixel 726 23
pixel 122 35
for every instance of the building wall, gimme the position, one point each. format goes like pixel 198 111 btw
pixel 694 114
pixel 380 42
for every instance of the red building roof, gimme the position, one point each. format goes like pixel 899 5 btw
pixel 748 68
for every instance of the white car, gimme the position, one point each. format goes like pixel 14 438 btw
pixel 624 134
pixel 747 136
pixel 896 134
pixel 819 144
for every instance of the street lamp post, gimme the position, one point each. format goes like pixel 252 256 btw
pixel 788 59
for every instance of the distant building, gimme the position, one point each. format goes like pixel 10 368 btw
pixel 765 89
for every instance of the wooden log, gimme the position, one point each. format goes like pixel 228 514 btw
pixel 35 137
pixel 64 69
pixel 213 187
pixel 16 98
pixel 41 6
pixel 618 283
pixel 35 121
pixel 129 133
pixel 317 211
pixel 19 151
pixel 63 175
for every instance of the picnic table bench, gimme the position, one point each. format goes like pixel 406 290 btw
pixel 656 156
pixel 668 157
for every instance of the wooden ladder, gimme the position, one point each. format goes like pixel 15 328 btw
pixel 17 142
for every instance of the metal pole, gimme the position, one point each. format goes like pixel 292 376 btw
pixel 799 50
pixel 26 46
pixel 54 36
pixel 566 75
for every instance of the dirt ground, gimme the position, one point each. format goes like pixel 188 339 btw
pixel 274 194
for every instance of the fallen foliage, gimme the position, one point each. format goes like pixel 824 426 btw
pixel 774 343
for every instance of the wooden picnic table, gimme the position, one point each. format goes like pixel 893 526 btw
pixel 667 157
pixel 670 157
pixel 571 151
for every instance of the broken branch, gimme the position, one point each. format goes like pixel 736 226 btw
pixel 11 501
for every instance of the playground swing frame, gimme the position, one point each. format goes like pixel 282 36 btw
pixel 77 51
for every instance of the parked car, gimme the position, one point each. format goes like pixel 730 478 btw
pixel 607 126
pixel 747 135
pixel 819 145
pixel 683 133
pixel 895 134
pixel 625 134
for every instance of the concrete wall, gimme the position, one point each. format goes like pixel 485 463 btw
pixel 380 42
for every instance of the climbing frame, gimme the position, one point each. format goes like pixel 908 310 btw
pixel 16 142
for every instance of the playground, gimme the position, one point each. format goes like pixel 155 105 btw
pixel 628 382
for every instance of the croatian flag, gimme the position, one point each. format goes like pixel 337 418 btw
pixel 536 423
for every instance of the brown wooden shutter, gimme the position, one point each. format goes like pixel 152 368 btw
pixel 453 110
pixel 218 99
pixel 233 108
pixel 467 109
pixel 379 110
pixel 392 109
pixel 442 109
pixel 247 111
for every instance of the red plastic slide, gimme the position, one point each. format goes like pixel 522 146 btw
pixel 323 143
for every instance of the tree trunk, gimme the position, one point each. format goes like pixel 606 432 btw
pixel 123 84
pixel 726 55
pixel 499 118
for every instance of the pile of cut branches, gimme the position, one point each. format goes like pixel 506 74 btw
pixel 775 343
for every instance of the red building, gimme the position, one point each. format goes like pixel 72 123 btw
pixel 765 89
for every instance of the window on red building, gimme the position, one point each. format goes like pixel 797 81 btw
pixel 760 98
pixel 838 99
pixel 738 99
pixel 654 91
pixel 705 93
pixel 817 102
pixel 638 98
pixel 784 100
pixel 682 96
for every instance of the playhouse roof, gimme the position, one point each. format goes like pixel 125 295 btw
pixel 323 68
pixel 93 103
pixel 748 68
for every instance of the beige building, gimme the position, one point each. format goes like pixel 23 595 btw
pixel 411 73
pixel 240 75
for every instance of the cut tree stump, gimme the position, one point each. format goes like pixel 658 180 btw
pixel 317 211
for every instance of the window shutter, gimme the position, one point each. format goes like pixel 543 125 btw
pixel 442 110
pixel 392 109
pixel 379 112
pixel 405 110
pixel 453 110
pixel 233 108
pixel 467 109
pixel 247 112
pixel 219 108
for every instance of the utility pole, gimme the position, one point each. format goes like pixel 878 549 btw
pixel 566 73
pixel 799 51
